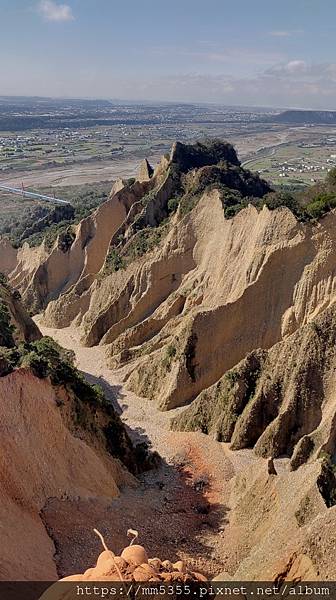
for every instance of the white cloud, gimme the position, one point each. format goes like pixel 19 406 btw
pixel 51 11
pixel 293 67
pixel 296 66
pixel 293 84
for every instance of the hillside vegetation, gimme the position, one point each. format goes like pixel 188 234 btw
pixel 217 167
pixel 23 220
pixel 192 171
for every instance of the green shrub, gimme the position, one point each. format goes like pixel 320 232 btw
pixel 114 262
pixel 232 211
pixel 9 358
pixel 188 202
pixel 321 204
pixel 173 204
pixel 47 359
pixel 144 241
pixel 147 198
pixel 6 327
pixel 171 351
pixel 232 376
pixel 170 354
pixel 98 393
pixel 3 280
pixel 66 239
pixel 331 177
pixel 52 351
pixel 38 365
pixel 275 200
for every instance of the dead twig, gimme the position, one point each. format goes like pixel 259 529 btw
pixel 112 556
pixel 134 534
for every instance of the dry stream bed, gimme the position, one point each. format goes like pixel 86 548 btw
pixel 181 509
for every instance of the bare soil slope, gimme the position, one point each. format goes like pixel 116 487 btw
pixel 42 459
pixel 60 439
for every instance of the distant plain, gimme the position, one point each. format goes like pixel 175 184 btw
pixel 88 143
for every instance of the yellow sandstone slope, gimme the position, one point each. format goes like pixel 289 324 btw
pixel 42 458
pixel 60 439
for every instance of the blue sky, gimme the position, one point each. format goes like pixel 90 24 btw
pixel 251 52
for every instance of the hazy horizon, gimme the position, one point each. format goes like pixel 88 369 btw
pixel 254 55
pixel 124 101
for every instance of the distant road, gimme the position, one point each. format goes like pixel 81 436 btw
pixel 26 194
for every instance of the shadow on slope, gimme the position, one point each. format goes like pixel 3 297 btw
pixel 174 509
pixel 170 509
pixel 114 394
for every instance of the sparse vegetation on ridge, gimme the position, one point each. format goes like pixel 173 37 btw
pixel 92 411
pixel 143 241
pixel 193 171
pixel 6 326
pixel 170 354
pixel 309 205
pixel 43 356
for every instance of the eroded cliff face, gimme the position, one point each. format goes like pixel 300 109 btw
pixel 23 327
pixel 180 295
pixel 45 453
pixel 215 290
pixel 278 524
pixel 280 402
pixel 60 439
pixel 42 275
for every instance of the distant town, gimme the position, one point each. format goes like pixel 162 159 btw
pixel 51 142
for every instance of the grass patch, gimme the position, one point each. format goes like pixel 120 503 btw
pixel 143 241
pixel 6 327
pixel 170 354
